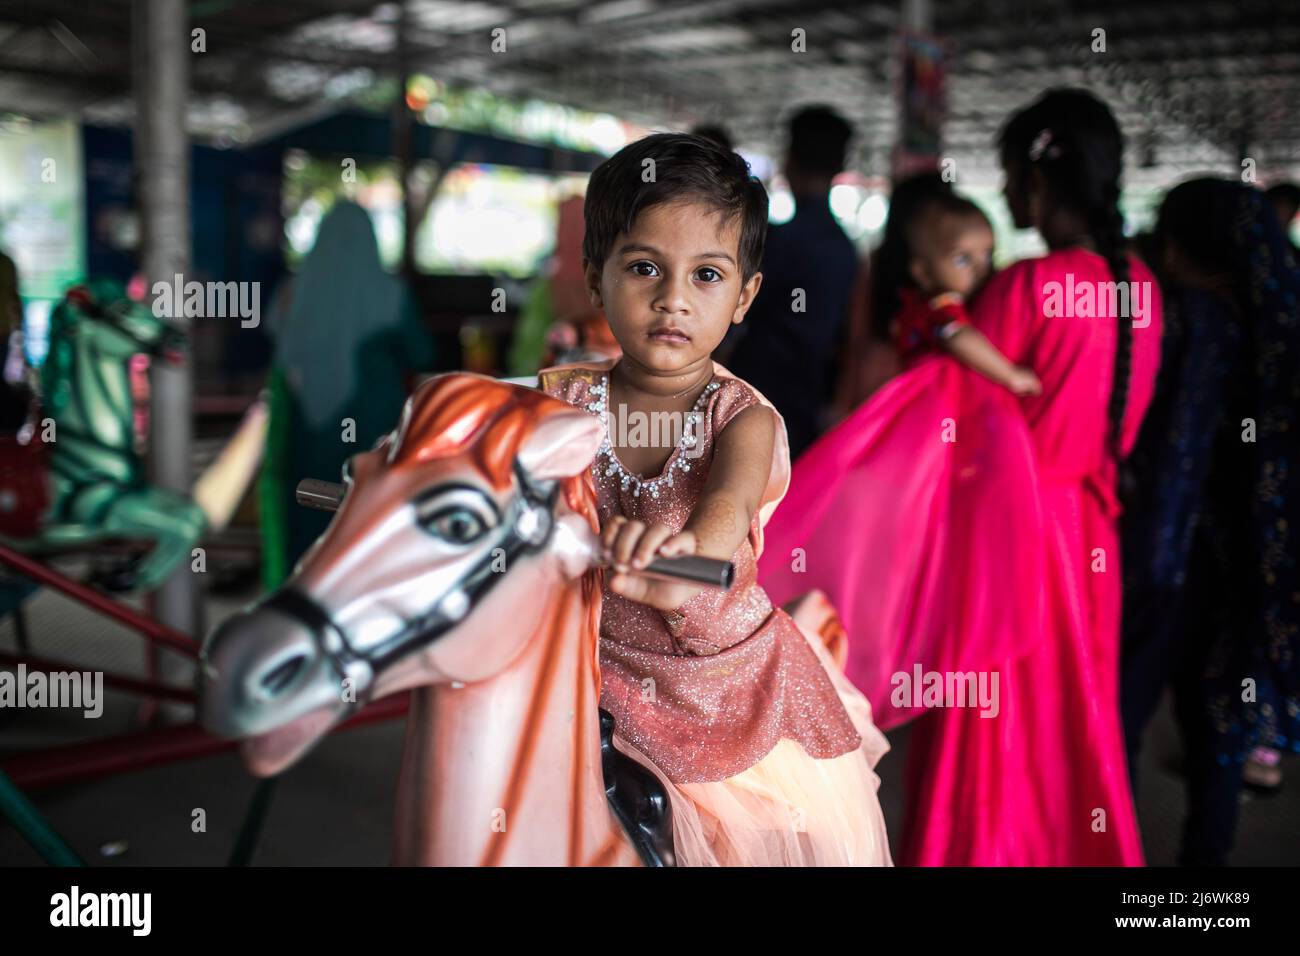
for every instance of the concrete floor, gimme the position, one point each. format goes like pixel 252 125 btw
pixel 336 806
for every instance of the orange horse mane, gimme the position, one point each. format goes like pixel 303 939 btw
pixel 463 413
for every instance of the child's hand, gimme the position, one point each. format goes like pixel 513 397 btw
pixel 633 544
pixel 940 298
pixel 1023 381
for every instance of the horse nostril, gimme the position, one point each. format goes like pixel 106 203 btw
pixel 282 675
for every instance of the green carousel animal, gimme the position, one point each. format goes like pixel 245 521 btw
pixel 99 488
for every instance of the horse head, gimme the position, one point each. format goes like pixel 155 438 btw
pixel 436 570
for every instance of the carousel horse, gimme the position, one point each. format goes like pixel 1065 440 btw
pixel 98 487
pixel 460 566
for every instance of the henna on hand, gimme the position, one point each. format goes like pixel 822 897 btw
pixel 714 523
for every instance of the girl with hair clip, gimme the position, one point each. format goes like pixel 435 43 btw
pixel 969 536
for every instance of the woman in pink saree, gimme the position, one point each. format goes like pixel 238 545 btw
pixel 970 540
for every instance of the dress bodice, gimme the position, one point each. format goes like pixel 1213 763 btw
pixel 708 688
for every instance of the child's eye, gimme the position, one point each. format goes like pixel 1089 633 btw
pixel 643 264
pixel 961 261
pixel 707 271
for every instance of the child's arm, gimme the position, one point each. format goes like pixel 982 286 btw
pixel 742 461
pixel 972 347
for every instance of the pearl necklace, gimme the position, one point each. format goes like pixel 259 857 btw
pixel 600 407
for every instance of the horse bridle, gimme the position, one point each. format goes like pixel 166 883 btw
pixel 527 527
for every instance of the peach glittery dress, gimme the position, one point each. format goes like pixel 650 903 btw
pixel 766 749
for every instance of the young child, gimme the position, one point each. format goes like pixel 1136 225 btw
pixel 950 250
pixel 766 750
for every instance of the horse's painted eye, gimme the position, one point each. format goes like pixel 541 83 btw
pixel 458 514
pixel 457 524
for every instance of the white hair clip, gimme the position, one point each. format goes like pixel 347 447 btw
pixel 1040 146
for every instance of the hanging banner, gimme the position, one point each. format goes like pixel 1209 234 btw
pixel 922 104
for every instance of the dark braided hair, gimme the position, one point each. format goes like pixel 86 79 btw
pixel 1072 138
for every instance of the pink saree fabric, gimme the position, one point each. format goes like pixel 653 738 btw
pixel 961 530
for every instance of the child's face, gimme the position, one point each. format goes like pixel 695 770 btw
pixel 672 286
pixel 953 253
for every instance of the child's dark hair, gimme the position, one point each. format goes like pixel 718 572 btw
pixel 686 168
pixel 918 195
pixel 1072 139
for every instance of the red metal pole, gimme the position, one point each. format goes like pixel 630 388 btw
pixel 138 751
pixel 122 682
pixel 75 763
pixel 147 627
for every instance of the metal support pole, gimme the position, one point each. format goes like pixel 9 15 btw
pixel 139 750
pixel 404 142
pixel 162 43
pixel 124 682
pixel 20 630
pixel 148 628
pixel 36 830
pixel 251 829
pixel 917 16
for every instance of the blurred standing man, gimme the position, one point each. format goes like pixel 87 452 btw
pixel 784 348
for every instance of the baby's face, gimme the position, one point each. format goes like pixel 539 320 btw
pixel 672 286
pixel 953 254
